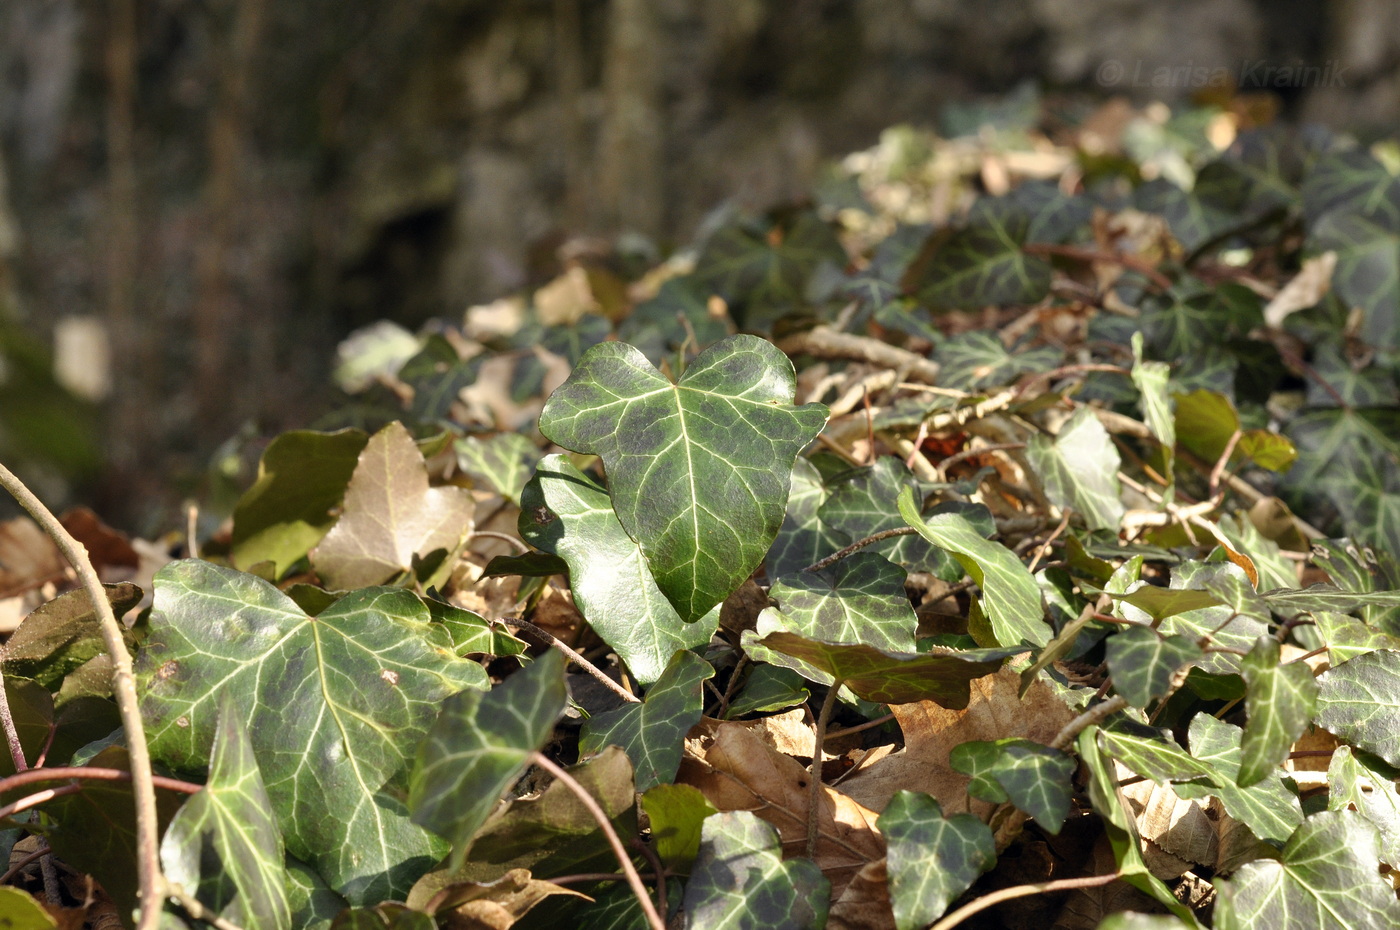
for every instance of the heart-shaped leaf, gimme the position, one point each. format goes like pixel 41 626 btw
pixel 1268 808
pixel 333 704
pixel 804 537
pixel 932 858
pixel 566 514
pixel 983 263
pixel 1080 470
pixel 740 880
pixel 653 731
pixel 223 846
pixel 1280 700
pixel 1030 775
pixel 503 462
pixel 1359 703
pixel 699 470
pixel 478 746
pixel 1143 661
pixel 1354 783
pixel 1010 596
pixel 390 516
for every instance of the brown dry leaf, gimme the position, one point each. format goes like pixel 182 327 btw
pixel 1177 834
pixel 1306 288
pixel 491 598
pixel 28 558
pixel 106 547
pixel 792 732
pixel 931 732
pixel 390 516
pixel 486 905
pixel 865 904
pixel 737 770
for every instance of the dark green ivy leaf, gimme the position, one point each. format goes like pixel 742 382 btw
pixel 862 503
pixel 1142 662
pixel 1030 775
pixel 804 537
pixel 503 462
pixel 652 732
pixel 1280 700
pixel 983 264
pixel 741 882
pixel 699 470
pixel 932 858
pixel 223 846
pixel 478 746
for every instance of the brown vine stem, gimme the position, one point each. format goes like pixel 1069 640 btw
pixel 196 909
pixel 152 880
pixel 858 545
pixel 633 878
pixel 574 657
pixel 7 720
pixel 1022 891
pixel 89 773
pixel 1087 719
pixel 814 800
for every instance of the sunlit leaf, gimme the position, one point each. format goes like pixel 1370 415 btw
pixel 741 881
pixel 565 513
pixel 1359 703
pixel 1268 808
pixel 1142 662
pixel 1079 469
pixel 503 462
pixel 1280 700
pixel 676 814
pixel 61 635
pixel 932 858
pixel 698 470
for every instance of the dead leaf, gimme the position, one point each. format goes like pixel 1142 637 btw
pixel 1308 286
pixel 486 905
pixel 737 770
pixel 390 516
pixel 106 547
pixel 865 904
pixel 28 558
pixel 931 732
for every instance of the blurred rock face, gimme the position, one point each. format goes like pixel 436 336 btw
pixel 294 170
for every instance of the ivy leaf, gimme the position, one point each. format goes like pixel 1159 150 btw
pixel 653 731
pixel 862 503
pixel 391 516
pixel 892 677
pixel 302 475
pixel 860 599
pixel 1269 809
pixel 664 323
pixel 314 905
pixel 223 846
pixel 61 635
pixel 1152 755
pixel 1054 217
pixel 1030 775
pixel 333 705
pixel 1079 469
pixel 761 269
pixel 437 375
pixel 1359 703
pixel 804 537
pixel 478 746
pixel 1151 379
pixel 1010 596
pixel 566 514
pixel 1142 662
pixel 472 634
pixel 503 462
pixel 977 360
pixel 1196 216
pixel 983 263
pixel 1326 876
pixel 698 469
pixel 677 814
pixel 1280 700
pixel 1368 267
pixel 1352 783
pixel 879 284
pixel 740 880
pixel 769 688
pixel 932 858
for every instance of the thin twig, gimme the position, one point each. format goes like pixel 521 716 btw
pixel 966 454
pixel 91 773
pixel 586 799
pixel 152 880
pixel 1022 891
pixel 573 657
pixel 1087 719
pixel 503 537
pixel 1045 546
pixel 37 798
pixel 8 722
pixel 196 909
pixel 814 800
pixel 658 869
pixel 824 342
pixel 1222 462
pixel 860 727
pixel 857 546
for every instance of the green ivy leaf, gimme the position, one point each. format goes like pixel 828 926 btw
pixel 804 537
pixel 1151 379
pixel 1197 216
pixel 503 462
pixel 1010 596
pixel 664 323
pixel 768 688
pixel 566 514
pixel 677 814
pixel 437 375
pixel 1280 700
pixel 885 677
pixel 863 503
pixel 1268 808
pixel 1142 662
pixel 1030 775
pixel 860 599
pixel 741 881
pixel 472 634
pixel 61 635
pixel 1352 783
pixel 932 858
pixel 976 360
pixel 1353 181
pixel 699 469
pixel 1326 876
pixel 653 731
pixel 983 263
pixel 1152 755
pixel 314 905
pixel 1368 267
pixel 1079 469
pixel 1359 703
pixel 478 746
pixel 301 477
pixel 391 516
pixel 333 705
pixel 223 846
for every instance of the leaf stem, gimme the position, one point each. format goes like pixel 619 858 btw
pixel 152 880
pixel 1087 719
pixel 1022 891
pixel 814 801
pixel 858 545
pixel 196 909
pixel 8 721
pixel 503 537
pixel 91 773
pixel 573 657
pixel 586 799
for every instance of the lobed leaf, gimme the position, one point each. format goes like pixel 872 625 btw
pixel 741 881
pixel 932 858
